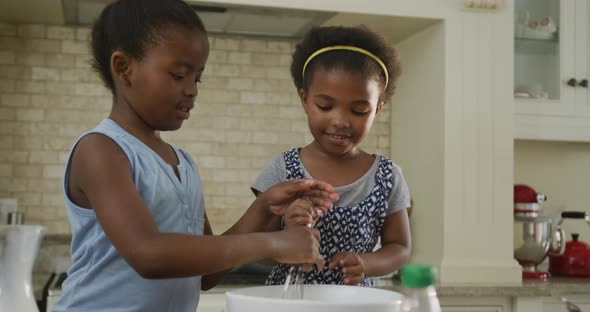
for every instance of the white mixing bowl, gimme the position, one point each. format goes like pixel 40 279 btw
pixel 317 298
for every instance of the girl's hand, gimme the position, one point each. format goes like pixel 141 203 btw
pixel 280 196
pixel 301 212
pixel 352 266
pixel 298 245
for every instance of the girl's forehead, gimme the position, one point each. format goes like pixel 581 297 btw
pixel 341 83
pixel 341 76
pixel 181 42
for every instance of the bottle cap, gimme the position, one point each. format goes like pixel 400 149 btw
pixel 417 276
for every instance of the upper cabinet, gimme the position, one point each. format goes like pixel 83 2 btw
pixel 551 70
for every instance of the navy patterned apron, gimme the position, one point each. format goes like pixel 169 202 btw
pixel 343 229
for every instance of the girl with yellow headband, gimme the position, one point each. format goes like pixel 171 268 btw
pixel 344 75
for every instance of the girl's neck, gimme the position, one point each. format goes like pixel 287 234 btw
pixel 338 170
pixel 132 123
pixel 142 133
pixel 315 150
pixel 128 119
pixel 151 138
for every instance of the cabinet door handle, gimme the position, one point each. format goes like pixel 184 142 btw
pixel 583 83
pixel 571 82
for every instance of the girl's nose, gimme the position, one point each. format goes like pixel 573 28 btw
pixel 340 120
pixel 191 89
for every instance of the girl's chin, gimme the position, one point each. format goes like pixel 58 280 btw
pixel 337 149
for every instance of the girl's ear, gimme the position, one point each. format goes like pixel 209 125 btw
pixel 378 108
pixel 121 67
pixel 303 98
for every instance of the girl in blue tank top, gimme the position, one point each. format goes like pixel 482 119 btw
pixel 141 240
pixel 344 75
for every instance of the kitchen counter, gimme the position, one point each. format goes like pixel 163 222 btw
pixel 255 274
pixel 555 286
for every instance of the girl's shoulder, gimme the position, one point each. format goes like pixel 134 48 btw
pixel 274 171
pixel 290 154
pixel 388 162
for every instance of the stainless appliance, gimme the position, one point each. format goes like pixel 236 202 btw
pixel 534 238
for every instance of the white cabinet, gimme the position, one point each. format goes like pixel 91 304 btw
pixel 211 303
pixel 550 304
pixel 466 308
pixel 476 304
pixel 555 305
pixel 552 71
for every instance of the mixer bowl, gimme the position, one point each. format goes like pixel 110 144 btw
pixel 532 239
pixel 317 298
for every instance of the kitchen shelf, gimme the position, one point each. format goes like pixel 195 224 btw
pixel 536 46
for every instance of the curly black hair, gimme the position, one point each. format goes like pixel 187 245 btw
pixel 359 36
pixel 132 26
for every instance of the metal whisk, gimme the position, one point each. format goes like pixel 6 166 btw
pixel 295 290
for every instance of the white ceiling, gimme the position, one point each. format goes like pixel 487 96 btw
pixel 395 28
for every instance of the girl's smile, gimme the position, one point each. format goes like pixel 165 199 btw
pixel 338 139
pixel 183 110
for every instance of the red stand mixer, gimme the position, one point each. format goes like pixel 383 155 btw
pixel 575 261
pixel 534 238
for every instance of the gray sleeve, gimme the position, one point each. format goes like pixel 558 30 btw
pixel 399 197
pixel 273 173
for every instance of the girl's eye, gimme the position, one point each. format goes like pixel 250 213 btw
pixel 323 108
pixel 176 77
pixel 360 113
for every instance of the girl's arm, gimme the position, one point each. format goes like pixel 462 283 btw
pixel 273 223
pixel 270 205
pixel 277 199
pixel 100 176
pixel 396 244
pixel 210 280
pixel 394 252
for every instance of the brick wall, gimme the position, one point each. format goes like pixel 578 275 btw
pixel 247 111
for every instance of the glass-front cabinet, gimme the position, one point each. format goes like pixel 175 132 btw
pixel 536 50
pixel 551 69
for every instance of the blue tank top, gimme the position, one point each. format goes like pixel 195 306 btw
pixel 100 279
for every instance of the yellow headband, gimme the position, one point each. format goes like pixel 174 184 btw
pixel 350 48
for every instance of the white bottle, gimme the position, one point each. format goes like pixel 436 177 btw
pixel 418 282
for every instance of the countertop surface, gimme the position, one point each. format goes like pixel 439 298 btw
pixel 555 286
pixel 254 275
